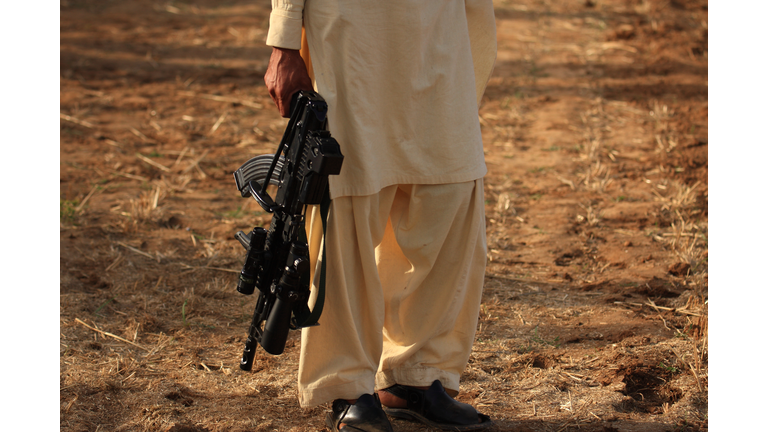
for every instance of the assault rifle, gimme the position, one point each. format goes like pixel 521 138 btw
pixel 277 259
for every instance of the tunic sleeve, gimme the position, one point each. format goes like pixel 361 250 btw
pixel 482 38
pixel 285 24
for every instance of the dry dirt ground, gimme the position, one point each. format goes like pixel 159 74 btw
pixel 595 125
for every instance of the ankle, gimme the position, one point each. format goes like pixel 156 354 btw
pixel 391 401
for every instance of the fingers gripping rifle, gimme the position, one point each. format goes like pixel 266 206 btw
pixel 277 259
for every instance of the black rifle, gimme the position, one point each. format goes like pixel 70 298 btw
pixel 277 261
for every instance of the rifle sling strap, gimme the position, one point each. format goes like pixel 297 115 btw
pixel 314 316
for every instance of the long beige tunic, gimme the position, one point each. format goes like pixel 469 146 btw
pixel 402 79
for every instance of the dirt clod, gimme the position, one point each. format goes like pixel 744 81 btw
pixel 679 269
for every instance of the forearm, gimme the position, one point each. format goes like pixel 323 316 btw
pixel 285 23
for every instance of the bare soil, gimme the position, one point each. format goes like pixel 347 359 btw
pixel 595 125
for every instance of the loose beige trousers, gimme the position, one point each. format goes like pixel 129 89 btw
pixel 404 282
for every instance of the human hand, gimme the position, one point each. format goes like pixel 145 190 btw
pixel 286 74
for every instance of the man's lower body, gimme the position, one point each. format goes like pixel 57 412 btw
pixel 404 282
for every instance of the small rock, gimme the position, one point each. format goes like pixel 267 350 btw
pixel 648 258
pixel 622 32
pixel 625 31
pixel 679 269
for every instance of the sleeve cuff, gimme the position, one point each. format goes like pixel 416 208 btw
pixel 285 29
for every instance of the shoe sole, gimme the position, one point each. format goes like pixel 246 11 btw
pixel 407 414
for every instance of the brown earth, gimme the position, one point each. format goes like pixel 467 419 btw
pixel 595 125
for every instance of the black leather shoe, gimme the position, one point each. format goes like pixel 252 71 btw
pixel 435 408
pixel 364 415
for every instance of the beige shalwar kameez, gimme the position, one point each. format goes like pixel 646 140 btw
pixel 406 234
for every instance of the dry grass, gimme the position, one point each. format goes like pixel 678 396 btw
pixel 145 207
pixel 685 236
